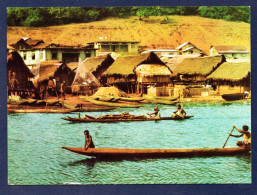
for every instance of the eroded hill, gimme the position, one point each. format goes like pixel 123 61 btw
pixel 202 32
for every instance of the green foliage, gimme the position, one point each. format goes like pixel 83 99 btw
pixel 230 13
pixel 64 15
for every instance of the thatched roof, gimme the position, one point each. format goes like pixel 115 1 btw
pixel 125 65
pixel 149 70
pixel 197 66
pixel 48 69
pixel 231 71
pixel 15 63
pixel 96 63
pixel 73 65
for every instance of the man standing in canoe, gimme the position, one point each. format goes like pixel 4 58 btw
pixel 156 114
pixel 246 136
pixel 179 113
pixel 88 140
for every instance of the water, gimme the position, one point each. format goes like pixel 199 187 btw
pixel 35 155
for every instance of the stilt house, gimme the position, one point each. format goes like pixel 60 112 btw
pixel 231 78
pixel 195 70
pixel 132 73
pixel 57 70
pixel 19 76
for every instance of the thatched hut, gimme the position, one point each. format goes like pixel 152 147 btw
pixel 58 71
pixel 122 72
pixel 231 78
pixel 19 76
pixel 195 69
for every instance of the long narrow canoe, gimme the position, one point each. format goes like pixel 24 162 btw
pixel 159 101
pixel 111 104
pixel 156 153
pixel 14 110
pixel 83 120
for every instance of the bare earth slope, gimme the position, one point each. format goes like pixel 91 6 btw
pixel 202 32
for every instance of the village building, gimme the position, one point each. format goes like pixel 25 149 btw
pixel 96 65
pixel 230 52
pixel 32 51
pixel 188 48
pixel 53 69
pixel 192 73
pixel 106 46
pixel 132 74
pixel 231 78
pixel 166 52
pixel 18 76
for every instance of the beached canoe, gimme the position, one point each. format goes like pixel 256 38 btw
pixel 15 110
pixel 160 98
pixel 234 96
pixel 111 104
pixel 134 99
pixel 124 153
pixel 83 120
pixel 159 101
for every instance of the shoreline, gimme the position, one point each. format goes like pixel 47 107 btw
pixel 89 107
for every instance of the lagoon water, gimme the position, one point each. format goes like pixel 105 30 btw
pixel 35 156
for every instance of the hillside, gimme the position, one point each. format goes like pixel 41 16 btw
pixel 202 32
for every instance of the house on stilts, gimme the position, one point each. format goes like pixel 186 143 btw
pixel 18 76
pixel 191 73
pixel 133 74
pixel 231 78
pixel 57 70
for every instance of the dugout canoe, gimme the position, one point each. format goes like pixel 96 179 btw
pixel 156 153
pixel 83 120
pixel 14 110
pixel 110 104
pixel 233 96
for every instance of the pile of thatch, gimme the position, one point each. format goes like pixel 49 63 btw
pixel 110 91
pixel 231 71
pixel 198 66
pixel 125 65
pixel 149 70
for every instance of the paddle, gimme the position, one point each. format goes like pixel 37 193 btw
pixel 228 138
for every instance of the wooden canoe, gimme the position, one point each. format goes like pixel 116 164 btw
pixel 111 104
pixel 82 120
pixel 156 153
pixel 233 96
pixel 159 101
pixel 14 110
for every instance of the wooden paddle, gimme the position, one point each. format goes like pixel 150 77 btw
pixel 228 138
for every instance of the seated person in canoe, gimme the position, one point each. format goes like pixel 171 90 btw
pixel 156 114
pixel 246 136
pixel 179 113
pixel 88 140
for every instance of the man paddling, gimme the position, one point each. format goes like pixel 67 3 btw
pixel 179 113
pixel 246 136
pixel 156 114
pixel 88 140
